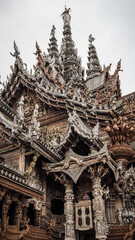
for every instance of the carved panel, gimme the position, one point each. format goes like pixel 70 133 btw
pixel 110 207
pixel 83 215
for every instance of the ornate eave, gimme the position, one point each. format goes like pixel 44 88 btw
pixel 73 164
pixel 15 181
pixel 50 98
pixel 15 135
pixel 6 109
pixel 126 105
pixel 76 126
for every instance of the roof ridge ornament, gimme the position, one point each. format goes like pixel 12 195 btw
pixel 16 54
pixel 91 38
pixel 53 31
pixel 75 121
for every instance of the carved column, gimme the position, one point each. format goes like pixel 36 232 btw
pixel 24 215
pixel 37 218
pixel 5 209
pixel 96 174
pixel 18 215
pixel 99 209
pixel 69 211
pixel 4 216
pixel 43 211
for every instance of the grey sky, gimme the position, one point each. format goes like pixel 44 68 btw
pixel 111 22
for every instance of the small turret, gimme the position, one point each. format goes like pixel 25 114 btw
pixel 94 68
pixel 53 48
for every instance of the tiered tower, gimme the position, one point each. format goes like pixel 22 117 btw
pixel 53 48
pixel 71 62
pixel 94 68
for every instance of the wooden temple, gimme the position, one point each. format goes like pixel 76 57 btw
pixel 67 148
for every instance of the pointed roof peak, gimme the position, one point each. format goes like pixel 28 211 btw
pixel 91 38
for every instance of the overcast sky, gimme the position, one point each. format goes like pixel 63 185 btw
pixel 111 22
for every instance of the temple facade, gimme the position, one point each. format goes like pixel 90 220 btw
pixel 67 147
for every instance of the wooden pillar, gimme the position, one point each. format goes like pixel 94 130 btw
pixel 43 210
pixel 37 218
pixel 69 211
pixel 24 212
pixel 18 215
pixel 99 209
pixel 5 209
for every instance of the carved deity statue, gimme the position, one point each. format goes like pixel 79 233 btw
pixel 120 216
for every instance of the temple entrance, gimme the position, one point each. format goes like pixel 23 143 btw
pixel 86 235
pixel 31 213
pixel 12 213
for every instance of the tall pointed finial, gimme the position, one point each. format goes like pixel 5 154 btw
pixel 17 52
pixel 91 39
pixel 66 16
pixel 53 31
pixel 38 50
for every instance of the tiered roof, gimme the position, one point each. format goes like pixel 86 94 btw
pixel 61 85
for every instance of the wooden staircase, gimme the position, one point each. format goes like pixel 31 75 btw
pixel 124 232
pixel 34 233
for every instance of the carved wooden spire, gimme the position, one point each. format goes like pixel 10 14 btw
pixel 71 62
pixel 53 48
pixel 94 68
